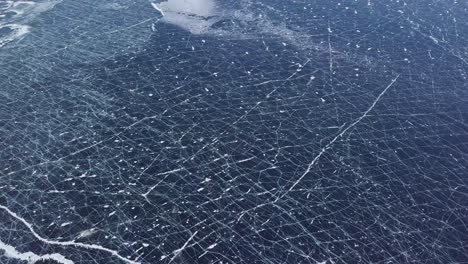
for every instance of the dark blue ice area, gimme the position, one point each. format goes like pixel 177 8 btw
pixel 287 132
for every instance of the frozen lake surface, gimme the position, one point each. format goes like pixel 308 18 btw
pixel 234 132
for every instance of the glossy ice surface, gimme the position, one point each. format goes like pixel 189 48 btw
pixel 219 131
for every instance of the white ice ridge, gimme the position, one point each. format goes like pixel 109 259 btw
pixel 155 6
pixel 24 11
pixel 66 243
pixel 329 145
pixel 191 15
pixel 18 31
pixel 30 257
